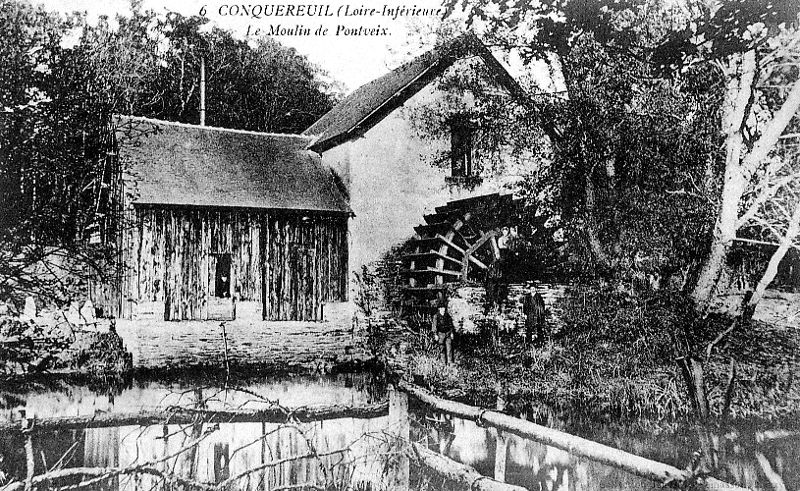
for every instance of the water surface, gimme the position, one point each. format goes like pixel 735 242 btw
pixel 348 453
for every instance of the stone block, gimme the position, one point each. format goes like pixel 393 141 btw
pixel 29 311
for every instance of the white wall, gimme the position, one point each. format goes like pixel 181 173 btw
pixel 391 179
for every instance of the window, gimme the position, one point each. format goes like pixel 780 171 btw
pixel 461 136
pixel 222 278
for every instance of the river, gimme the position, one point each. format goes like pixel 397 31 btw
pixel 346 453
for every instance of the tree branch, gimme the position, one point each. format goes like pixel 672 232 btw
pixel 772 132
pixel 763 197
pixel 772 267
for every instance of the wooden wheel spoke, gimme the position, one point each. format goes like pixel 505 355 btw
pixel 459 235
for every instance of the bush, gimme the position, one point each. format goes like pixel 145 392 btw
pixel 616 356
pixel 101 353
pixel 27 347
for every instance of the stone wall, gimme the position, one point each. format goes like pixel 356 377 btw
pixel 286 345
pixel 467 306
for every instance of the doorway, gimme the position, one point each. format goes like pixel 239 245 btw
pixel 222 277
pixel 221 304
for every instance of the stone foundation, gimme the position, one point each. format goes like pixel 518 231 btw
pixel 158 343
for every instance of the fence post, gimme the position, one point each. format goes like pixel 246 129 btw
pixel 27 423
pixel 501 448
pixel 400 428
pixel 225 347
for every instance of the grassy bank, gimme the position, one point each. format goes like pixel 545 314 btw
pixel 616 360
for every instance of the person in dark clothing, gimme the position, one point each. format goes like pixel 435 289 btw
pixel 442 326
pixel 534 310
pixel 494 287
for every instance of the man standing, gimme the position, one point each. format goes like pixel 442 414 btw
pixel 533 308
pixel 442 325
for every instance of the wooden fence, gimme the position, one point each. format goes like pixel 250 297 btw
pixel 613 457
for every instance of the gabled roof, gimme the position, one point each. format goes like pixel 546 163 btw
pixel 371 102
pixel 186 165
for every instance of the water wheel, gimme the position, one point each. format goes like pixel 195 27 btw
pixel 457 243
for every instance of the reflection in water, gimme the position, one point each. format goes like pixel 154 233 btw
pixel 254 456
pixel 755 463
pixel 249 455
pixel 347 453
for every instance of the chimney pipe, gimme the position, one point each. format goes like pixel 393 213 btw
pixel 203 91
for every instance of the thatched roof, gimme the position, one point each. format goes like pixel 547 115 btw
pixel 185 165
pixel 371 102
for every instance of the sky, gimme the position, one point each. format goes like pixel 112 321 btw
pixel 351 59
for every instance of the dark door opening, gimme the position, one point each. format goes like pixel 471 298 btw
pixel 221 302
pixel 222 278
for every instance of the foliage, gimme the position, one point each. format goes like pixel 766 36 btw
pixel 669 147
pixel 505 142
pixel 30 347
pixel 54 134
pixel 101 353
pixel 687 28
pixel 259 86
pixel 27 346
pixel 628 164
pixel 624 175
pixel 615 358
pixel 366 291
pixel 61 82
pixel 377 337
pixel 637 168
pixel 433 370
pixel 155 60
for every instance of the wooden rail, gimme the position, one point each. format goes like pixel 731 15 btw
pixel 633 464
pixel 189 416
pixel 397 410
pixel 458 472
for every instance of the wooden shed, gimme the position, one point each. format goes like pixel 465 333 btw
pixel 225 223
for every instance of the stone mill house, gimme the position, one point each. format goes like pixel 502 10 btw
pixel 224 224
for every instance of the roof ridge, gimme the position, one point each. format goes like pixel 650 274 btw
pixel 432 52
pixel 444 47
pixel 212 128
pixel 372 101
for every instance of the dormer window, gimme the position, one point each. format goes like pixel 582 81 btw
pixel 462 134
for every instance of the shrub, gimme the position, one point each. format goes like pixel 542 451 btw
pixel 27 347
pixel 100 353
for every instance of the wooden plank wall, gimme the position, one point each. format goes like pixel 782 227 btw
pixel 172 256
pixel 306 266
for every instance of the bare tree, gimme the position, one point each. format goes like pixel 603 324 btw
pixel 762 99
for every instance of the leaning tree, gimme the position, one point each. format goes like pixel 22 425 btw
pixel 675 138
pixel 745 52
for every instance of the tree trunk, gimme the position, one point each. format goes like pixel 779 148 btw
pixel 575 445
pixel 772 267
pixel 724 234
pixel 459 473
pixel 729 388
pixel 592 236
pixel 186 416
pixel 693 375
pixel 739 169
pixel 737 100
